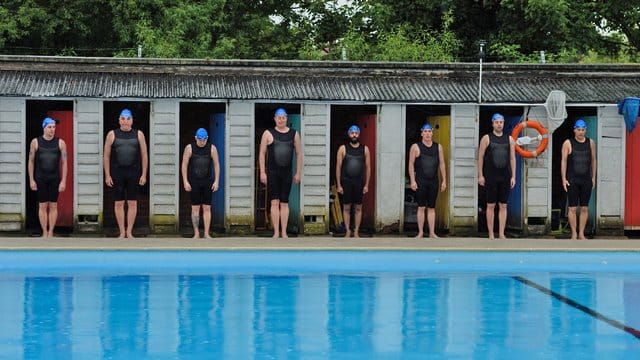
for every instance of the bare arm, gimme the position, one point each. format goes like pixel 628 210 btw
pixel 594 166
pixel 566 150
pixel 186 156
pixel 367 166
pixel 216 167
pixel 298 147
pixel 484 143
pixel 339 159
pixel 33 147
pixel 144 157
pixel 443 169
pixel 414 152
pixel 64 163
pixel 512 160
pixel 106 158
pixel 266 139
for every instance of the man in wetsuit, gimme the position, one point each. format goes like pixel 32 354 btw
pixel 47 156
pixel 425 159
pixel 497 172
pixel 276 169
pixel 578 170
pixel 353 172
pixel 128 170
pixel 197 160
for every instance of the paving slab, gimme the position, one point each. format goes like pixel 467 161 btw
pixel 319 243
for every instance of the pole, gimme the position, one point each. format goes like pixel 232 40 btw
pixel 481 56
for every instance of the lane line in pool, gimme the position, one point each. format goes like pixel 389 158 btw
pixel 628 329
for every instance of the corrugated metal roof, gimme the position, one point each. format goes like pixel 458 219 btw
pixel 306 80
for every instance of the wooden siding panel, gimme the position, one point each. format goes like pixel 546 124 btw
pixel 390 170
pixel 463 159
pixel 13 157
pixel 163 197
pixel 240 155
pixel 314 188
pixel 89 170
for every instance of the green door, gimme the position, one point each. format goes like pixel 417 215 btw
pixel 293 225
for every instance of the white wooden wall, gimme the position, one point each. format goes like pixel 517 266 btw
pixel 314 187
pixel 390 167
pixel 240 161
pixel 537 174
pixel 13 164
pixel 610 171
pixel 463 209
pixel 89 169
pixel 164 165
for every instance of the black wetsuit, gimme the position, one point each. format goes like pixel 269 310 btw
pixel 426 166
pixel 352 174
pixel 125 165
pixel 47 169
pixel 579 173
pixel 279 164
pixel 199 174
pixel 497 168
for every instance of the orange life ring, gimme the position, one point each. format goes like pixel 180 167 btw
pixel 543 143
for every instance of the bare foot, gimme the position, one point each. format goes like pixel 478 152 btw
pixel 121 236
pixel 582 237
pixel 130 236
pixel 503 237
pixel 196 235
pixel 491 237
pixel 347 234
pixel 207 236
pixel 434 236
pixel 356 234
pixel 50 234
pixel 419 236
pixel 285 236
pixel 275 236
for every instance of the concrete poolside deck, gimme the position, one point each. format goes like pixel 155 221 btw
pixel 8 243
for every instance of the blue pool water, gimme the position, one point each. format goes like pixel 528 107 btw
pixel 318 305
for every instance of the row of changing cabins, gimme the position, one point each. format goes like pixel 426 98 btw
pixel 235 100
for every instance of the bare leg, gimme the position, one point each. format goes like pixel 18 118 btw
pixel 275 217
pixel 358 215
pixel 53 217
pixel 118 208
pixel 284 218
pixel 584 216
pixel 195 220
pixel 491 210
pixel 346 215
pixel 502 220
pixel 206 217
pixel 132 211
pixel 420 219
pixel 42 216
pixel 571 216
pixel 431 219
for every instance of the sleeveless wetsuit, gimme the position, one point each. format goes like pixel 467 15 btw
pixel 426 166
pixel 200 175
pixel 279 164
pixel 47 169
pixel 579 173
pixel 352 174
pixel 125 164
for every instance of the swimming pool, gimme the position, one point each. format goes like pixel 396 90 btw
pixel 319 304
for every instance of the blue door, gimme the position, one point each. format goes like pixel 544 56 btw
pixel 592 133
pixel 514 204
pixel 293 225
pixel 216 129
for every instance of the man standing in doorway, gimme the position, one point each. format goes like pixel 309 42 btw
pixel 578 170
pixel 197 160
pixel 423 174
pixel 47 156
pixel 353 172
pixel 276 170
pixel 497 172
pixel 128 170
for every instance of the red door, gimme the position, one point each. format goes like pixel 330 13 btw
pixel 367 124
pixel 632 181
pixel 64 130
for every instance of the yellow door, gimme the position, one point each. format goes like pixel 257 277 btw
pixel 441 126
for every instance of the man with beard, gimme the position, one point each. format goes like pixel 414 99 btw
pixel 47 155
pixel 497 172
pixel 353 172
pixel 424 177
pixel 578 170
pixel 276 172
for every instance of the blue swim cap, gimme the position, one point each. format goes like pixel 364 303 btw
pixel 280 111
pixel 126 113
pixel 353 128
pixel 580 124
pixel 426 127
pixel 496 116
pixel 202 134
pixel 47 121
